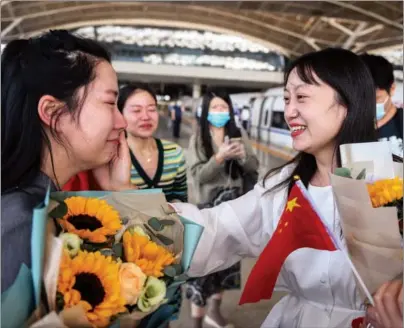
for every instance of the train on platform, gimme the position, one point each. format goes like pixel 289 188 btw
pixel 267 122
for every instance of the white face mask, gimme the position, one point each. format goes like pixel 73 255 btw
pixel 380 109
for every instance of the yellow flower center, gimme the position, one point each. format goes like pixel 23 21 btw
pixel 90 288
pixel 84 221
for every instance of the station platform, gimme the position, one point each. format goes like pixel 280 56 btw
pixel 249 315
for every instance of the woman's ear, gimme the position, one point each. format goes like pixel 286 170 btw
pixel 47 107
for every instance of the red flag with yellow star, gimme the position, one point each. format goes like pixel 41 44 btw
pixel 299 226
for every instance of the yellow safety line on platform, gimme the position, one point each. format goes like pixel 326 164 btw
pixel 271 151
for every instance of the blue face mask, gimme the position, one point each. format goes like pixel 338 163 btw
pixel 219 119
pixel 380 110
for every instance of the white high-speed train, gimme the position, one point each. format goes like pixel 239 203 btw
pixel 267 118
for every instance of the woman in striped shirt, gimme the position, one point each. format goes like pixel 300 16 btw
pixel 155 163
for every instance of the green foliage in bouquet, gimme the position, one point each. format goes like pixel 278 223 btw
pixel 346 173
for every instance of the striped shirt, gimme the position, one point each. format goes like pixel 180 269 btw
pixel 170 174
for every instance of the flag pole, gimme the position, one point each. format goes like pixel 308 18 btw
pixel 335 240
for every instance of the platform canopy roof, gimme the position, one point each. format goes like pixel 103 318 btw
pixel 292 27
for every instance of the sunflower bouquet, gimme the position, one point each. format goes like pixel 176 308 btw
pixel 368 191
pixel 110 259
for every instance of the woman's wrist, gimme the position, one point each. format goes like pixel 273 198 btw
pixel 219 160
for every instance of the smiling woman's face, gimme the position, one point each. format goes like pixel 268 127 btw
pixel 312 113
pixel 140 111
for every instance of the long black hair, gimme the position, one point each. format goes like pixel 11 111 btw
pixel 352 82
pixel 231 129
pixel 57 64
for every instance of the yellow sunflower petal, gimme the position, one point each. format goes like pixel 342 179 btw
pixel 150 251
pixel 385 191
pixel 105 270
pixel 99 210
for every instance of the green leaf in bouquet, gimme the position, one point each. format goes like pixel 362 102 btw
pixel 92 247
pixel 155 224
pixel 118 250
pixel 165 240
pixel 361 175
pixel 107 252
pixel 167 222
pixel 60 302
pixel 59 211
pixel 183 277
pixel 343 172
pixel 125 220
pixel 173 270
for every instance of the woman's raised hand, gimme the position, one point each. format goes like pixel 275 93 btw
pixel 115 175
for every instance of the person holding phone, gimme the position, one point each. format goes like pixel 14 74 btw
pixel 219 159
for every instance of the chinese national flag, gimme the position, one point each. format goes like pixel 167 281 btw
pixel 299 226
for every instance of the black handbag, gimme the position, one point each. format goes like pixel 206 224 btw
pixel 249 181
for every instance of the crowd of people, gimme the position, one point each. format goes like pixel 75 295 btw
pixel 65 123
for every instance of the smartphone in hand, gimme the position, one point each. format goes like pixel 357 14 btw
pixel 234 140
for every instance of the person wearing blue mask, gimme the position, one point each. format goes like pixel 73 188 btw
pixel 389 117
pixel 221 163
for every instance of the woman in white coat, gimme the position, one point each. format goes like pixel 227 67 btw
pixel 329 101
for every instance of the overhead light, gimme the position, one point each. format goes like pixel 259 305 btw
pixel 160 37
pixel 235 63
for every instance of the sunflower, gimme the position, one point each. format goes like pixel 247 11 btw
pixel 146 254
pixel 386 192
pixel 91 280
pixel 91 219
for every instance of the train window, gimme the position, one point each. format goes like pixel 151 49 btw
pixel 278 120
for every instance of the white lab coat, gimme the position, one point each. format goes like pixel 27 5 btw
pixel 321 285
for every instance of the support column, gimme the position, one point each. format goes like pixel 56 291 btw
pixel 196 94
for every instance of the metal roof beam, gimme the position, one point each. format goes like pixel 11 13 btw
pixel 15 23
pixel 367 13
pixel 10 27
pixel 309 40
pixel 360 45
pixel 352 38
pixel 5 2
pixel 312 43
pixel 333 22
pixel 370 30
pixel 244 18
